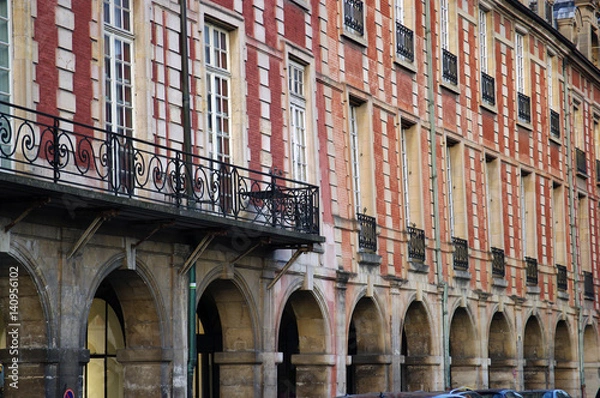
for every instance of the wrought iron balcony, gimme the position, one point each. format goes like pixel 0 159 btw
pixel 581 162
pixel 461 254
pixel 450 67
pixel 524 108
pixel 554 124
pixel 531 271
pixel 498 262
pixel 354 16
pixel 488 91
pixel 42 150
pixel 405 46
pixel 561 278
pixel 367 234
pixel 416 244
pixel 588 285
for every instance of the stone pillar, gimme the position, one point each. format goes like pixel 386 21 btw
pixel 313 374
pixel 24 375
pixel 240 373
pixel 142 371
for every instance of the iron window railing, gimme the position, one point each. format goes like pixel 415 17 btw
pixel 588 285
pixel 450 67
pixel 488 90
pixel 498 262
pixel 46 147
pixel 561 277
pixel 405 46
pixel 367 236
pixel 524 108
pixel 461 254
pixel 554 124
pixel 354 16
pixel 581 162
pixel 531 271
pixel 416 244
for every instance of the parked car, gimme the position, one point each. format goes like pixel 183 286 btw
pixel 417 394
pixel 556 393
pixel 499 393
pixel 466 392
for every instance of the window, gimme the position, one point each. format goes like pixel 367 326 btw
pixel 552 95
pixel 449 60
pixel 218 82
pixel 104 375
pixel 355 157
pixel 404 34
pixel 487 80
pixel 528 217
pixel 523 101
pixel 455 190
pixel 118 71
pixel 493 190
pixel 354 17
pixel 296 88
pixel 411 189
pixel 559 232
pixel 5 68
pixel 583 232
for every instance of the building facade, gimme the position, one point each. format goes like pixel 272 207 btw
pixel 298 198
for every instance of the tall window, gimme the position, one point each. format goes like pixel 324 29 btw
pixel 449 59
pixel 455 189
pixel 118 68
pixel 483 40
pixel 487 80
pixel 523 101
pixel 5 51
pixel 355 157
pixel 528 215
pixel 444 24
pixel 104 375
pixel 296 88
pixel 493 190
pixel 559 231
pixel 583 232
pixel 405 176
pixel 520 63
pixel 218 91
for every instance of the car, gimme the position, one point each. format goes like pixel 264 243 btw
pixel 466 392
pixel 415 394
pixel 499 393
pixel 556 393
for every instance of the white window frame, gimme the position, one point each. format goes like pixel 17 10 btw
pixel 444 24
pixel 119 74
pixel 6 71
pixel 355 156
pixel 550 79
pixel 451 215
pixel 219 101
pixel 520 63
pixel 296 87
pixel 405 182
pixel 483 41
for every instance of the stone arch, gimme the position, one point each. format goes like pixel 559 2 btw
pixel 565 373
pixel 24 323
pixel 366 347
pixel 135 297
pixel 535 371
pixel 591 357
pixel 302 340
pixel 227 340
pixel 502 352
pixel 417 372
pixel 463 349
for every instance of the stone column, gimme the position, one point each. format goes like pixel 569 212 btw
pixel 313 374
pixel 371 372
pixel 142 369
pixel 240 373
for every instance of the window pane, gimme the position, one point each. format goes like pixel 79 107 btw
pixel 96 326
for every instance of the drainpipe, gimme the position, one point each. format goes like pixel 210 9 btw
pixel 573 231
pixel 436 205
pixel 187 149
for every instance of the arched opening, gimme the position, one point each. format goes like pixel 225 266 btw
pixel 535 371
pixel 302 339
pixel 225 343
pixel 124 339
pixel 502 353
pixel 591 360
pixel 105 335
pixel 416 373
pixel 463 350
pixel 565 374
pixel 368 369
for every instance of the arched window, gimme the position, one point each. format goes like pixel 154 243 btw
pixel 104 374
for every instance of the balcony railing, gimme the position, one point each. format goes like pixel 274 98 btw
pixel 416 244
pixel 498 262
pixel 405 46
pixel 461 254
pixel 354 16
pixel 524 108
pixel 367 234
pixel 45 147
pixel 580 162
pixel 554 124
pixel 450 67
pixel 531 271
pixel 561 278
pixel 588 285
pixel 488 90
